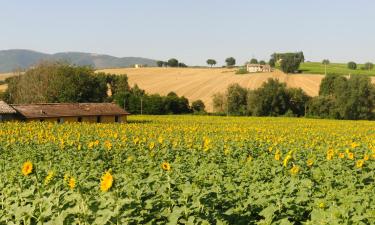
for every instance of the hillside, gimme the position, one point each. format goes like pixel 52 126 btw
pixel 11 60
pixel 334 68
pixel 203 83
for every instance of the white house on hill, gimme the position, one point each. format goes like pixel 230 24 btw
pixel 255 68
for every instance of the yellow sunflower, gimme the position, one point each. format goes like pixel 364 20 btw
pixel 106 182
pixel 27 168
pixel 165 166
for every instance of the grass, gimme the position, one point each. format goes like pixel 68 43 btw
pixel 334 68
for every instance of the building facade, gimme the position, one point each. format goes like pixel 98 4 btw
pixel 256 68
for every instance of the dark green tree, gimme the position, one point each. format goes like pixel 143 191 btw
pixel 173 62
pixel 253 61
pixel 352 65
pixel 325 62
pixel 271 99
pixel 290 62
pixel 211 62
pixel 262 62
pixel 198 106
pixel 272 62
pixel 230 61
pixel 236 99
pixel 159 63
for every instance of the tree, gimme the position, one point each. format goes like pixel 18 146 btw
pixel 369 66
pixel 57 82
pixel 237 99
pixel 352 65
pixel 211 62
pixel 253 61
pixel 183 65
pixel 198 106
pixel 325 62
pixel 290 62
pixel 272 62
pixel 297 101
pixel 173 62
pixel 271 99
pixel 219 102
pixel 230 61
pixel 262 62
pixel 159 63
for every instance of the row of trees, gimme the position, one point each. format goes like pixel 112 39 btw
pixel 339 98
pixel 56 82
pixel 343 98
pixel 351 65
pixel 136 101
pixel 271 99
pixel 170 63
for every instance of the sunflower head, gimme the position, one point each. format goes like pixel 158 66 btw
pixel 106 181
pixel 72 183
pixel 166 166
pixel 27 168
pixel 359 163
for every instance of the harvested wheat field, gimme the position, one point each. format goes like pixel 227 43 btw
pixel 202 83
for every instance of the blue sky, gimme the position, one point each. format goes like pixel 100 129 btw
pixel 193 30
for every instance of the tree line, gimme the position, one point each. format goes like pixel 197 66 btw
pixel 339 98
pixel 59 82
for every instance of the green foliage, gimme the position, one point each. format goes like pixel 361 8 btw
pixel 182 65
pixel 160 63
pixel 262 62
pixel 223 171
pixel 57 82
pixel 369 66
pixel 343 98
pixel 198 106
pixel 211 62
pixel 173 62
pixel 290 62
pixel 271 99
pixel 136 101
pixel 325 62
pixel 253 61
pixel 230 61
pixel 242 70
pixel 219 102
pixel 272 62
pixel 236 99
pixel 352 65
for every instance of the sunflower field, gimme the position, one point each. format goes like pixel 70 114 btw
pixel 188 170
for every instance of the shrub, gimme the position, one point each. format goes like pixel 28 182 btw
pixel 242 70
pixel 352 65
pixel 198 106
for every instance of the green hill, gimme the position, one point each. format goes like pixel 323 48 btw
pixel 11 60
pixel 334 68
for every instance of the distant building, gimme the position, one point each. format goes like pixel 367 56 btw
pixel 64 112
pixel 255 68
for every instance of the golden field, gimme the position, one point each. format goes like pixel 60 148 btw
pixel 202 83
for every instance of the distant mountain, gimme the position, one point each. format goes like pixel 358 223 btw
pixel 13 59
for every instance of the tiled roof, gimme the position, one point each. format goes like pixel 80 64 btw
pixel 6 109
pixel 69 109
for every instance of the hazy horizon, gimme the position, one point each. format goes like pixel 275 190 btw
pixel 193 31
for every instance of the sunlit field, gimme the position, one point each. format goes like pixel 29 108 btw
pixel 188 170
